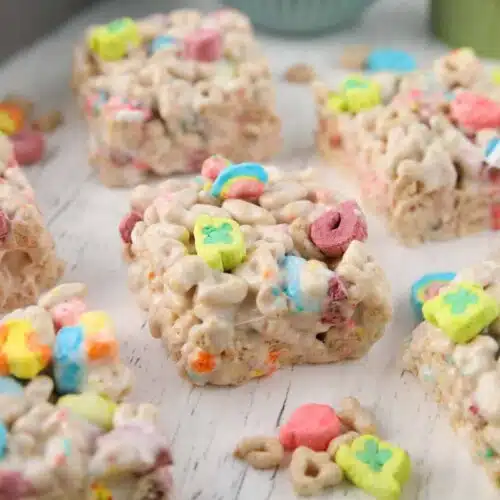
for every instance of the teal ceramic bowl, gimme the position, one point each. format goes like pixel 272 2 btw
pixel 301 17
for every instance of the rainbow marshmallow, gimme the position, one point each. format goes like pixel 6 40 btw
pixel 244 180
pixel 426 288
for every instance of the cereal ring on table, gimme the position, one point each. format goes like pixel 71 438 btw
pixel 474 111
pixel 312 472
pixel 333 231
pixel 127 225
pixel 29 146
pixel 336 443
pixel 260 452
pixel 356 416
pixel 312 425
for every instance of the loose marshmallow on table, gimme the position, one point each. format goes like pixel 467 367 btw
pixel 378 467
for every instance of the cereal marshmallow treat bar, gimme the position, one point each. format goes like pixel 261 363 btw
pixel 455 354
pixel 425 147
pixel 163 93
pixel 65 431
pixel 245 269
pixel 28 262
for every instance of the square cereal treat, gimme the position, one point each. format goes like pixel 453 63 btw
pixel 163 93
pixel 247 269
pixel 65 431
pixel 425 146
pixel 28 262
pixel 455 354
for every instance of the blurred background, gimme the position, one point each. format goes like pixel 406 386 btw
pixel 457 22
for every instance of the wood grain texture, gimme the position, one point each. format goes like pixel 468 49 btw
pixel 205 424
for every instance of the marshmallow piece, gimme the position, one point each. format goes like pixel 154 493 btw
pixel 377 467
pixel 492 153
pixel 311 425
pixel 204 45
pixel 213 166
pixel 21 352
pixel 243 181
pixel 113 41
pixel 219 242
pixel 462 311
pixel 90 406
pixel 426 288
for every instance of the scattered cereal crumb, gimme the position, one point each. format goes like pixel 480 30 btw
pixel 354 57
pixel 49 121
pixel 300 73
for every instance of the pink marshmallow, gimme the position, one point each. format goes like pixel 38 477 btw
pixel 204 44
pixel 213 166
pixel 475 112
pixel 67 313
pixel 312 425
pixel 245 189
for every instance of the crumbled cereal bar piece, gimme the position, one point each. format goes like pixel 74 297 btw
pixel 65 431
pixel 425 151
pixel 163 93
pixel 241 274
pixel 28 262
pixel 455 354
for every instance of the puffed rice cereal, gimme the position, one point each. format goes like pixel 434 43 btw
pixel 455 351
pixel 162 94
pixel 65 431
pixel 237 284
pixel 28 261
pixel 424 145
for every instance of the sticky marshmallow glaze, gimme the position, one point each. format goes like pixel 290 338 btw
pixel 237 287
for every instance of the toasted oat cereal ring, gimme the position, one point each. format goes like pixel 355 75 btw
pixel 333 231
pixel 29 146
pixel 127 225
pixel 260 452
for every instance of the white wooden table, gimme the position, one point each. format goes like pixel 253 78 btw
pixel 204 424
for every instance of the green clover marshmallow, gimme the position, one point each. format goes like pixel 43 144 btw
pixel 377 467
pixel 461 311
